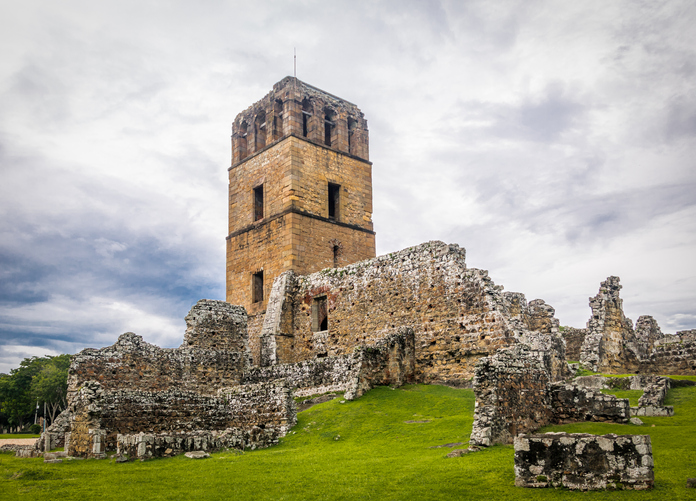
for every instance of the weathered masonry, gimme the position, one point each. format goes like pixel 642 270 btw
pixel 300 192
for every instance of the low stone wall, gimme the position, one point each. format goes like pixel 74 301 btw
pixel 584 462
pixel 652 402
pixel 572 403
pixel 149 445
pixel 100 415
pixel 389 361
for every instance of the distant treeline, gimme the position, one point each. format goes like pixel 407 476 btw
pixel 42 380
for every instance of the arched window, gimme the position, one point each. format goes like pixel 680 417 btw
pixel 260 130
pixel 329 126
pixel 352 125
pixel 278 119
pixel 242 140
pixel 306 115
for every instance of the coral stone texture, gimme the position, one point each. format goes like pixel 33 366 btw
pixel 457 314
pixel 584 462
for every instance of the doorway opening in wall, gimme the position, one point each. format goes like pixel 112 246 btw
pixel 334 193
pixel 320 314
pixel 257 287
pixel 258 202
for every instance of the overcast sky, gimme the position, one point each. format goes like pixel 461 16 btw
pixel 555 141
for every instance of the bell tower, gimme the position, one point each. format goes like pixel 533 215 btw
pixel 300 192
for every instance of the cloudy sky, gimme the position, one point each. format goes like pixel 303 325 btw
pixel 554 140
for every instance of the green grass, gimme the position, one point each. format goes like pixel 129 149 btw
pixel 632 395
pixel 378 456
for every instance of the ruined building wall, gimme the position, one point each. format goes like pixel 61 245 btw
pixel 584 462
pixel 389 361
pixel 611 345
pixel 574 338
pixel 605 347
pixel 515 394
pixel 457 314
pixel 674 354
pixel 134 387
pixel 214 354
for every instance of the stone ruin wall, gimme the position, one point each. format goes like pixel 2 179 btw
pixel 573 340
pixel 214 354
pixel 515 394
pixel 457 314
pixel 134 387
pixel 584 462
pixel 123 397
pixel 390 361
pixel 610 343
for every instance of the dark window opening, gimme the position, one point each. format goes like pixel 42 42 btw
pixel 320 316
pixel 278 118
pixel 329 126
pixel 257 287
pixel 243 140
pixel 258 203
pixel 260 129
pixel 352 124
pixel 334 194
pixel 306 115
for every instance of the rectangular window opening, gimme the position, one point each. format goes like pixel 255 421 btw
pixel 257 286
pixel 328 128
pixel 320 316
pixel 305 123
pixel 334 193
pixel 258 203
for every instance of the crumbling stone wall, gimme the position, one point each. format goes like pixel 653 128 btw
pixel 584 462
pixel 572 403
pixel 610 343
pixel 515 394
pixel 511 396
pixel 390 361
pixel 609 332
pixel 214 354
pixel 457 314
pixel 672 354
pixel 574 339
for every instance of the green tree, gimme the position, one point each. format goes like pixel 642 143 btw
pixel 50 385
pixel 16 399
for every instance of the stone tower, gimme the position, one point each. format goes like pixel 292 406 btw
pixel 300 193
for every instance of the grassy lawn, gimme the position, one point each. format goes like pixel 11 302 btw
pixel 358 450
pixel 15 435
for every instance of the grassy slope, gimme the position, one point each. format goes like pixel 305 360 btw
pixel 378 456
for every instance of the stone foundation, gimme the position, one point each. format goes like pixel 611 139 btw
pixel 584 462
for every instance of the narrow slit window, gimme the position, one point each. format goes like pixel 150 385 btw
pixel 334 196
pixel 320 315
pixel 257 286
pixel 329 126
pixel 258 203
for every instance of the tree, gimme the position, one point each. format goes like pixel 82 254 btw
pixel 50 385
pixel 16 399
pixel 42 378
